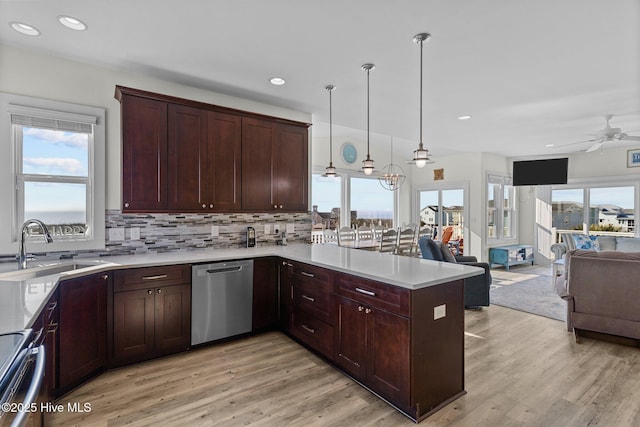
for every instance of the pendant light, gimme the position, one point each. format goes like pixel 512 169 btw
pixel 421 154
pixel 330 171
pixel 367 164
pixel 391 176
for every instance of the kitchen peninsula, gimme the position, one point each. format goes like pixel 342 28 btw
pixel 394 324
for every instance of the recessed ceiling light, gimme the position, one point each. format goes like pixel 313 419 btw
pixel 549 145
pixel 277 81
pixel 465 117
pixel 25 29
pixel 71 22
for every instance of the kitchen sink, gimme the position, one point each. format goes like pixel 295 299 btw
pixel 40 270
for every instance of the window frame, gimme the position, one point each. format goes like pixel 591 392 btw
pixel 502 182
pixel 13 180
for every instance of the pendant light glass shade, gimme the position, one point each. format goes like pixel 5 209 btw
pixel 330 171
pixel 392 176
pixel 367 164
pixel 421 154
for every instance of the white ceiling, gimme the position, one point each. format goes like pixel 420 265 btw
pixel 530 72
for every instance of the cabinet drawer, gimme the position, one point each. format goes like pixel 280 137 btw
pixel 313 332
pixel 151 277
pixel 312 276
pixel 380 295
pixel 312 299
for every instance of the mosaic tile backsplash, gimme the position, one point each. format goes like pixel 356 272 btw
pixel 173 232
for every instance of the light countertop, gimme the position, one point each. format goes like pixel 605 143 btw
pixel 21 299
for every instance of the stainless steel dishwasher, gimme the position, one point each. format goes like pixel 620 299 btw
pixel 222 300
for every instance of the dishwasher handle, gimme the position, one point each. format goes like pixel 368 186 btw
pixel 224 269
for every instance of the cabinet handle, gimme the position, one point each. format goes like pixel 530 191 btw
pixel 364 291
pixel 211 205
pixel 159 276
pixel 159 291
pixel 149 292
pixel 280 206
pixel 275 206
pixel 126 205
pixel 204 205
pixel 105 276
pixel 304 273
pixel 368 310
pixel 308 329
pixel 308 298
pixel 360 308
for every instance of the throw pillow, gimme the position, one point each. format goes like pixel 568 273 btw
pixel 589 243
pixel 446 253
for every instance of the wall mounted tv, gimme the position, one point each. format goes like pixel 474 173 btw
pixel 540 172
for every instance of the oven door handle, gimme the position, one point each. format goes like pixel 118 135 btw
pixel 34 387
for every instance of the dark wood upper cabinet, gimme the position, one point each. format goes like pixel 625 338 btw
pixel 144 154
pixel 258 142
pixel 187 156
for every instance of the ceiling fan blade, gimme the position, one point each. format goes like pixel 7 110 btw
pixel 594 147
pixel 580 142
pixel 631 138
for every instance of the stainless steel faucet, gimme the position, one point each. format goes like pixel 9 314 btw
pixel 22 253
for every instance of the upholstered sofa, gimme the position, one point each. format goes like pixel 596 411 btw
pixel 602 290
pixel 476 288
pixel 599 243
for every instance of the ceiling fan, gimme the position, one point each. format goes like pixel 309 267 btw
pixel 608 134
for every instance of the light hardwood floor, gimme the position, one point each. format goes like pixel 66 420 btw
pixel 520 370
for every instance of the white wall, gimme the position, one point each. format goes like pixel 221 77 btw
pixel 33 73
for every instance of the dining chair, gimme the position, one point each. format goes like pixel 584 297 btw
pixel 388 241
pixel 364 233
pixel 406 240
pixel 330 236
pixel 346 234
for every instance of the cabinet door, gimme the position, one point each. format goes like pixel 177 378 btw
pixel 133 325
pixel 224 161
pixel 172 318
pixel 83 322
pixel 144 154
pixel 290 183
pixel 187 159
pixel 388 354
pixel 286 295
pixel 265 293
pixel 350 336
pixel 258 138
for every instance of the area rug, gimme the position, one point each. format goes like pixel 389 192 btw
pixel 527 289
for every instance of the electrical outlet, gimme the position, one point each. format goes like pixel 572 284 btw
pixel 134 233
pixel 439 312
pixel 116 234
pixel 214 231
pixel 267 229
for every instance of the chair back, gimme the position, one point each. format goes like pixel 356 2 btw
pixel 346 234
pixel 388 241
pixel 364 233
pixel 330 236
pixel 406 239
pixel 446 234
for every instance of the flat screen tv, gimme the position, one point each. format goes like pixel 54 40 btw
pixel 540 172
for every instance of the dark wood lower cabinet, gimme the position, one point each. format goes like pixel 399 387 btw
pixel 82 329
pixel 265 294
pixel 151 322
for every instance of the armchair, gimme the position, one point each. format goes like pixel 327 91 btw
pixel 476 288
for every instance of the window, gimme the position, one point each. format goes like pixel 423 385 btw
pixel 325 201
pixel 57 180
pixel 611 209
pixel 501 224
pixel 371 205
pixel 350 200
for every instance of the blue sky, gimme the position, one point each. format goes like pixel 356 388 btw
pixel 50 152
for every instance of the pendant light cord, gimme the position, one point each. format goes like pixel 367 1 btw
pixel 330 132
pixel 368 70
pixel 421 43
